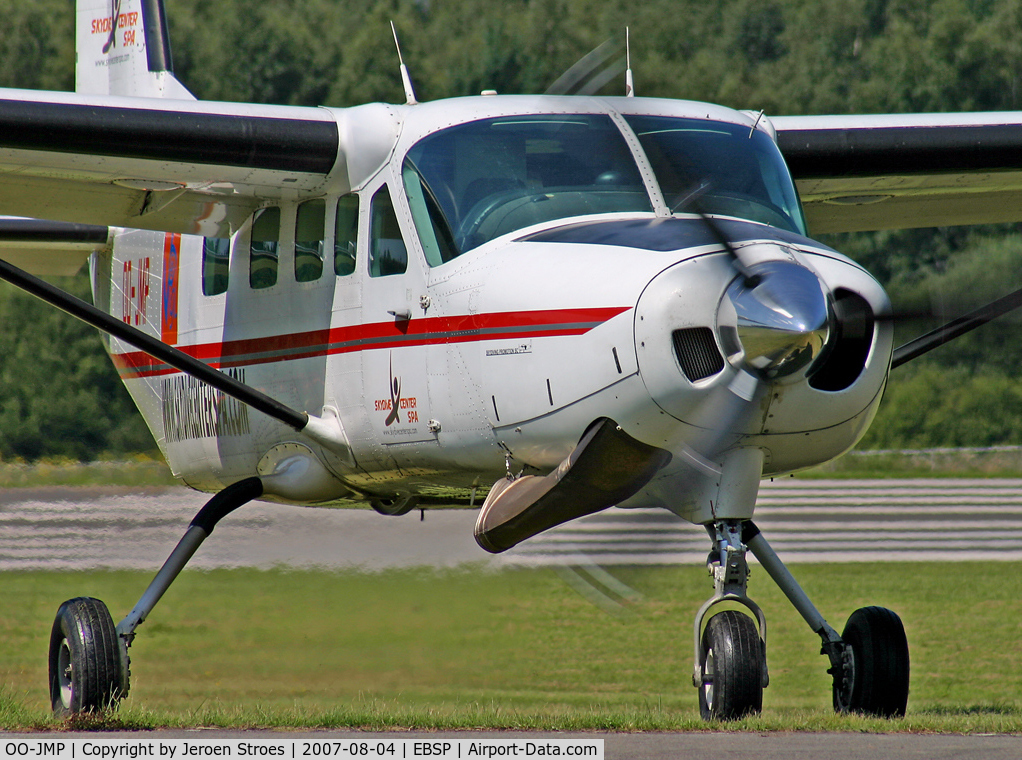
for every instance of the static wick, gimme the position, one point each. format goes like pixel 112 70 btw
pixel 406 80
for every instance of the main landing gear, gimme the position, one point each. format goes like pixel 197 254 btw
pixel 89 654
pixel 869 660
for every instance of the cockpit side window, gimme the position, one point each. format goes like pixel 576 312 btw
pixel 387 252
pixel 719 168
pixel 475 182
pixel 434 230
pixel 265 241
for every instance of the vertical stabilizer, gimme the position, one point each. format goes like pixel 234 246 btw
pixel 123 48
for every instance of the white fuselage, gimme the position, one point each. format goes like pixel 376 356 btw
pixel 446 369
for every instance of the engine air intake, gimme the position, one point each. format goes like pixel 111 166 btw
pixel 697 352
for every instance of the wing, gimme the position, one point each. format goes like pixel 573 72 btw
pixel 49 248
pixel 177 166
pixel 920 170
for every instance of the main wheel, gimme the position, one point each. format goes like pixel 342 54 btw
pixel 732 665
pixel 877 675
pixel 86 669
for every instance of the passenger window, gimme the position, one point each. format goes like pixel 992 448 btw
pixel 309 240
pixel 345 235
pixel 216 264
pixel 262 266
pixel 387 252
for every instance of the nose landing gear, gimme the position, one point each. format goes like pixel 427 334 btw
pixel 869 660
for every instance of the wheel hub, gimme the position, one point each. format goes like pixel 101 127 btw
pixel 708 675
pixel 66 674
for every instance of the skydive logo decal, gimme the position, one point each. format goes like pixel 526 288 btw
pixel 124 23
pixel 193 409
pixel 396 404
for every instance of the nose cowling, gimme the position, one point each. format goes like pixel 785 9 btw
pixel 775 320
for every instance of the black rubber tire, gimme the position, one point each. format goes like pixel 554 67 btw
pixel 880 665
pixel 732 665
pixel 86 669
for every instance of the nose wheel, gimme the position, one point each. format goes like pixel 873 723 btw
pixel 732 668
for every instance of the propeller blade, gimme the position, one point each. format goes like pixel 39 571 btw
pixel 572 81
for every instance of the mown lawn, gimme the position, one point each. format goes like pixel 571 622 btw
pixel 515 648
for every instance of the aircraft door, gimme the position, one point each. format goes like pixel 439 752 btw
pixel 394 325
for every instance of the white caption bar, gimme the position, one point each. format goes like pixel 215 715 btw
pixel 296 749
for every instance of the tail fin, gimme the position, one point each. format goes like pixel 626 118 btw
pixel 124 49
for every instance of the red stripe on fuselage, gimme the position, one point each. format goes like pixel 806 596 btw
pixel 416 332
pixel 171 268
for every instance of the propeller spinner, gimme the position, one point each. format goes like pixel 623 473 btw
pixel 777 321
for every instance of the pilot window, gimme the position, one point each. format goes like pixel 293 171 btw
pixel 345 235
pixel 310 234
pixel 387 252
pixel 216 265
pixel 262 263
pixel 732 171
pixel 475 182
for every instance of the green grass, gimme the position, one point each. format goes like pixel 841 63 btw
pixel 145 471
pixel 514 649
pixel 142 471
pixel 995 462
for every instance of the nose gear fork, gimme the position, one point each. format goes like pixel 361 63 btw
pixel 729 666
pixel 730 570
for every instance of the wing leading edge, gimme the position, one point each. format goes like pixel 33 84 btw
pixel 858 173
pixel 175 166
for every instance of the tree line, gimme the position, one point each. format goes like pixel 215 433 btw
pixel 59 396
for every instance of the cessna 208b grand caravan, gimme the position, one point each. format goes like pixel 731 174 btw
pixel 558 302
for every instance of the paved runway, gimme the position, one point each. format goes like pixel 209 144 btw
pixel 817 521
pixel 805 520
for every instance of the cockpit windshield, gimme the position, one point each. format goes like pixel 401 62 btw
pixel 719 168
pixel 474 182
pixel 494 176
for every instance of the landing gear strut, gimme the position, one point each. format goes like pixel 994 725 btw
pixel 869 661
pixel 88 654
pixel 730 653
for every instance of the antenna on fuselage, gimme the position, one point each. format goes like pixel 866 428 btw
pixel 406 80
pixel 629 84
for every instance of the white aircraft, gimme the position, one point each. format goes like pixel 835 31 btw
pixel 556 302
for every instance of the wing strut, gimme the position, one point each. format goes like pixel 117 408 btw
pixel 956 328
pixel 155 348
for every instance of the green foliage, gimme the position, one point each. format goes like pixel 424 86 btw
pixel 950 405
pixel 37 44
pixel 61 396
